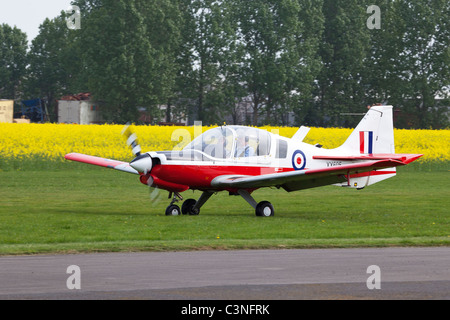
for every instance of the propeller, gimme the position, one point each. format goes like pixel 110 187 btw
pixel 142 162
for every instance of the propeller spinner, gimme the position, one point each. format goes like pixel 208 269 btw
pixel 142 163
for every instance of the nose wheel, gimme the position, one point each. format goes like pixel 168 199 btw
pixel 173 209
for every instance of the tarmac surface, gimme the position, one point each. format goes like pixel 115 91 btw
pixel 304 274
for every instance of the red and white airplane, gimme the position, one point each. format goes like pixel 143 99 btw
pixel 242 159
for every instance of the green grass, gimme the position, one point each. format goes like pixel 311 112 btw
pixel 80 208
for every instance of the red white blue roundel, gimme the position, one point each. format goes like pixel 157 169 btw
pixel 298 160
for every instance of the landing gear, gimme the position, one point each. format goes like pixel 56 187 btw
pixel 262 209
pixel 190 206
pixel 173 209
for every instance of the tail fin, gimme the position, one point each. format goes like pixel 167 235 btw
pixel 374 134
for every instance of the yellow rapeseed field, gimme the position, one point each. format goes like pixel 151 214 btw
pixel 53 141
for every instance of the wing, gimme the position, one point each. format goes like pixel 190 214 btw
pixel 303 179
pixel 102 162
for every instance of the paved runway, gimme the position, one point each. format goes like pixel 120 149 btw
pixel 404 273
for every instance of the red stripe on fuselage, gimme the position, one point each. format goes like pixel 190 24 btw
pixel 200 176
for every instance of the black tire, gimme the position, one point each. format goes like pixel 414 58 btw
pixel 187 207
pixel 264 209
pixel 173 210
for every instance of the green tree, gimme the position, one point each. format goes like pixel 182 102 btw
pixel 425 59
pixel 306 64
pixel 119 56
pixel 410 59
pixel 344 48
pixel 47 75
pixel 280 61
pixel 383 64
pixel 128 54
pixel 13 61
pixel 163 21
pixel 204 57
pixel 266 39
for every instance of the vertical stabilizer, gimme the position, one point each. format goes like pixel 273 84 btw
pixel 374 134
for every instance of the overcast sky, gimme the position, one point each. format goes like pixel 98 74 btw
pixel 27 15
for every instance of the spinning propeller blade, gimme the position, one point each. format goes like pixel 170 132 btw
pixel 131 140
pixel 155 195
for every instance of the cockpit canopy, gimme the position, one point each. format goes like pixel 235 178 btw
pixel 231 142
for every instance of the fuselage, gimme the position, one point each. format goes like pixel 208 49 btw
pixel 197 165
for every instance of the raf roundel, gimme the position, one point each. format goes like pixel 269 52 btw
pixel 298 160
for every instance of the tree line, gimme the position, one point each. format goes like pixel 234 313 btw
pixel 318 60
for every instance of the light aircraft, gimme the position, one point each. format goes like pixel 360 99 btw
pixel 242 159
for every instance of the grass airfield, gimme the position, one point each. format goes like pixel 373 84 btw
pixel 80 208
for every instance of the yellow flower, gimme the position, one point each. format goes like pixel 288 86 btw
pixel 53 141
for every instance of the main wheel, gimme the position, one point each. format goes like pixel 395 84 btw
pixel 188 207
pixel 264 209
pixel 173 210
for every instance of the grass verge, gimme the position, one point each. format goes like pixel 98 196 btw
pixel 79 208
